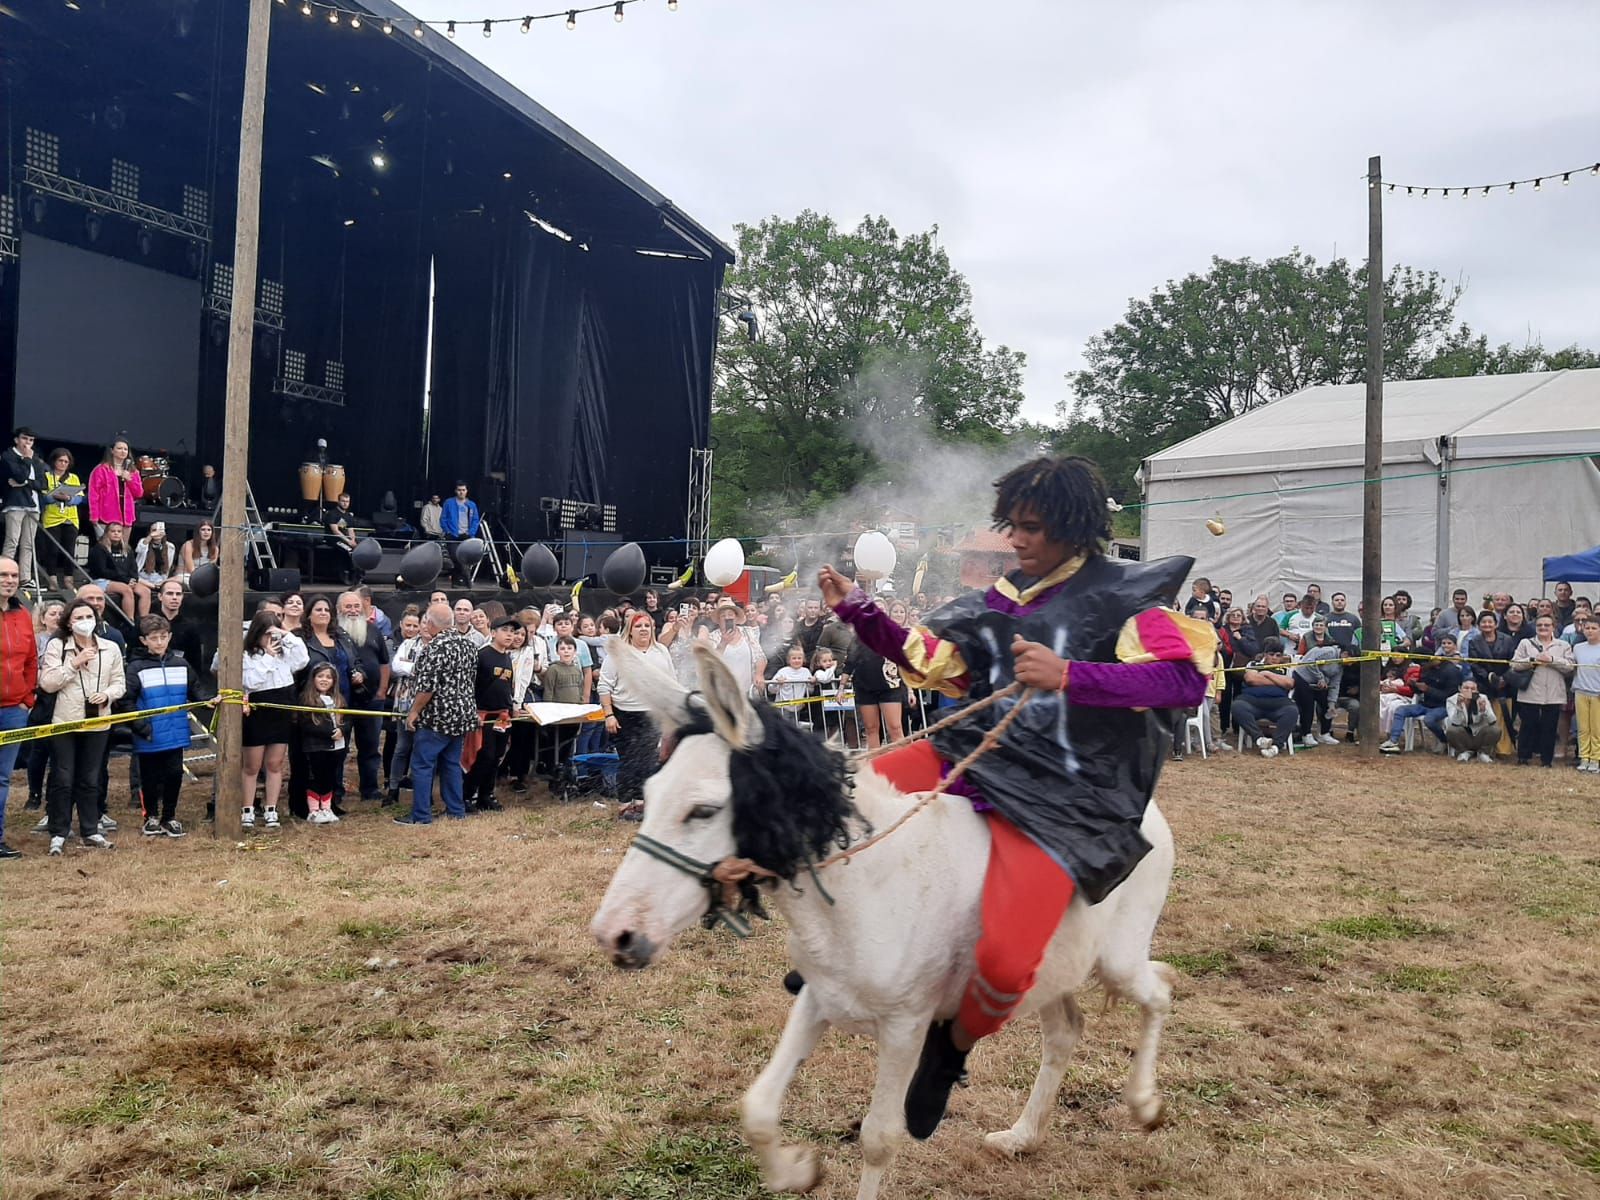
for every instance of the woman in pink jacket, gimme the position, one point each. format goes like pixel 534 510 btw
pixel 114 488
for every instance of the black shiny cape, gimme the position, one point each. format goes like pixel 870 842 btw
pixel 1075 779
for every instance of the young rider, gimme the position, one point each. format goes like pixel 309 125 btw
pixel 1065 788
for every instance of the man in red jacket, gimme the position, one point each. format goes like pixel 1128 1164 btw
pixel 19 675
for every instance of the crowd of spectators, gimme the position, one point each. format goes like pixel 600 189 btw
pixel 1504 680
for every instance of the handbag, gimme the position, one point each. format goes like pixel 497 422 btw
pixel 1520 677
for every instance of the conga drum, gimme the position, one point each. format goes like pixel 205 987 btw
pixel 310 481
pixel 332 481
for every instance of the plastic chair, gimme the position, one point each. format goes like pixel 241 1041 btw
pixel 1266 725
pixel 1197 727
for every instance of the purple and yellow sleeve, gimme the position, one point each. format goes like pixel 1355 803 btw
pixel 1164 660
pixel 925 661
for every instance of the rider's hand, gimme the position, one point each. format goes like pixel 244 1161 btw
pixel 835 587
pixel 1037 666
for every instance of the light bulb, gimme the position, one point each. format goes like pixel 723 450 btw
pixel 355 20
pixel 388 26
pixel 305 7
pixel 572 18
pixel 616 13
pixel 333 16
pixel 379 161
pixel 450 29
pixel 672 5
pixel 1538 185
pixel 1566 179
pixel 488 29
pixel 1511 187
pixel 417 32
pixel 527 24
pixel 1485 191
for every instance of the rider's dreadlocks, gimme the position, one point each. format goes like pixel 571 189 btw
pixel 1066 494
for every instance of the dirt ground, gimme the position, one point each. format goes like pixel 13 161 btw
pixel 1390 986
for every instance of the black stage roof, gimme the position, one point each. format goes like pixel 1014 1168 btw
pixel 575 306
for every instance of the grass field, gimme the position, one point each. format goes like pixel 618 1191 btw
pixel 1390 986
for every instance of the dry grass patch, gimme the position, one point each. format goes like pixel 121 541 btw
pixel 1389 987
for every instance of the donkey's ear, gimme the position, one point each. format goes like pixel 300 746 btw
pixel 663 695
pixel 732 715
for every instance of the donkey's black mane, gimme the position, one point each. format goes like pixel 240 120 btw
pixel 791 795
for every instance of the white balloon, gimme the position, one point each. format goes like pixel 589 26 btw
pixel 724 563
pixel 875 554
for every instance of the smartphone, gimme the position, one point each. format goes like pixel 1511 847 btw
pixel 685 610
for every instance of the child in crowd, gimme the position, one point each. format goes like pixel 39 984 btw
pixel 792 683
pixel 563 679
pixel 322 735
pixel 1586 695
pixel 825 674
pixel 564 683
pixel 160 678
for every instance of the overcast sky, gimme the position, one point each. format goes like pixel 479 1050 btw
pixel 1076 155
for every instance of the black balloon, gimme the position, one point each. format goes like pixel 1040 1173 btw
pixel 469 553
pixel 539 566
pixel 205 580
pixel 624 571
pixel 421 565
pixel 367 554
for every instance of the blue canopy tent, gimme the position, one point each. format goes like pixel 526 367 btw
pixel 1574 568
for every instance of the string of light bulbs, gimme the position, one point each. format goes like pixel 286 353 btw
pixel 1534 184
pixel 351 19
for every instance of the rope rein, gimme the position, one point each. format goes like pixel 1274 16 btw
pixel 731 872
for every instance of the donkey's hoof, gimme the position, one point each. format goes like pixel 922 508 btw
pixel 1006 1143
pixel 799 1169
pixel 1150 1113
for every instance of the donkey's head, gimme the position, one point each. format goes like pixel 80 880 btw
pixel 738 780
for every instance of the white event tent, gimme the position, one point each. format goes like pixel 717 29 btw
pixel 1467 501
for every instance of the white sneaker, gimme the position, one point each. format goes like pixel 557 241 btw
pixel 56 843
pixel 270 818
pixel 98 841
pixel 1221 744
pixel 1485 758
pixel 329 817
pixel 247 819
pixel 1307 742
pixel 1269 751
pixel 107 825
pixel 1464 756
pixel 1263 742
pixel 43 826
pixel 1328 739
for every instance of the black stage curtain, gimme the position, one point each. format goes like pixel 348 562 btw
pixel 580 373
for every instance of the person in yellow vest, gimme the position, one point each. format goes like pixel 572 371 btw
pixel 58 529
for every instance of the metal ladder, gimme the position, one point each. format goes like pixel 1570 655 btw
pixel 491 553
pixel 255 532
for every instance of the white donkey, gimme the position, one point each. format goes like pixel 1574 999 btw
pixel 884 941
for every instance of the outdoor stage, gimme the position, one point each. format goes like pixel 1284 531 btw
pixel 453 283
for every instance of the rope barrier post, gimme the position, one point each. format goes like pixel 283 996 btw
pixel 1372 469
pixel 236 422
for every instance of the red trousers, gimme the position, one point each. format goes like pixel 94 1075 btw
pixel 1025 895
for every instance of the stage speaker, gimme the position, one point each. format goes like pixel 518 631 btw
pixel 283 579
pixel 388 569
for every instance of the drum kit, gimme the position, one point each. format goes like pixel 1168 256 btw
pixel 161 486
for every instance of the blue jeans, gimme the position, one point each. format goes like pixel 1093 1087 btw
pixel 1433 718
pixel 432 752
pixel 367 734
pixel 10 718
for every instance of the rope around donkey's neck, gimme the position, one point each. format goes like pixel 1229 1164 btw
pixel 730 872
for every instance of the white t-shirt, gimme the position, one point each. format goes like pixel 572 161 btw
pixel 744 659
pixel 791 683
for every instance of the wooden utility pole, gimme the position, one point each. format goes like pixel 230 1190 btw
pixel 236 422
pixel 1372 468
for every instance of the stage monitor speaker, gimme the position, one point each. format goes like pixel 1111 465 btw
pixel 283 579
pixel 584 552
pixel 388 569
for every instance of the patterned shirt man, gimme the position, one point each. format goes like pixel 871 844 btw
pixel 447 670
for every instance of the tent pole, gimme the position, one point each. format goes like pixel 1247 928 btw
pixel 1441 527
pixel 1372 508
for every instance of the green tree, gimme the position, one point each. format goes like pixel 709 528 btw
pixel 1466 353
pixel 1209 347
pixel 863 331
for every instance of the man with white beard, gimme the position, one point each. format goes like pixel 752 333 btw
pixel 369 685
